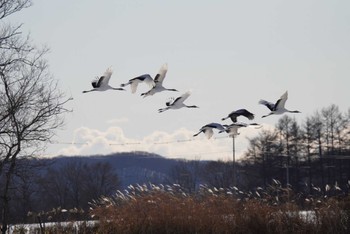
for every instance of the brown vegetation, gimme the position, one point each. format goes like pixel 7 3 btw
pixel 169 210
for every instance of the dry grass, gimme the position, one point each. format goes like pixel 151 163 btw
pixel 151 209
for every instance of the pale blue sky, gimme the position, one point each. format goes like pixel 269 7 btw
pixel 230 53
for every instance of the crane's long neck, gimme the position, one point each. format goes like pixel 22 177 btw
pixel 175 90
pixel 87 91
pixel 197 133
pixel 125 84
pixel 271 113
pixel 163 109
pixel 294 111
pixel 193 106
pixel 117 88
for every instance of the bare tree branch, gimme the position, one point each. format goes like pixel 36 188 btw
pixel 8 7
pixel 32 106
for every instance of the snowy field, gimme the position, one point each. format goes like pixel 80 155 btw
pixel 309 216
pixel 35 227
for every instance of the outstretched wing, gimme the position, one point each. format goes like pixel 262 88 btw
pixel 148 80
pixel 233 118
pixel 245 113
pixel 239 124
pixel 183 97
pixel 133 86
pixel 269 105
pixel 142 78
pixel 234 114
pixel 208 132
pixel 96 82
pixel 282 101
pixel 216 125
pixel 233 128
pixel 106 76
pixel 161 74
pixel 104 79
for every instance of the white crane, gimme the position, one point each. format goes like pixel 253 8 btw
pixel 208 129
pixel 240 112
pixel 146 78
pixel 177 103
pixel 232 129
pixel 101 83
pixel 277 108
pixel 158 80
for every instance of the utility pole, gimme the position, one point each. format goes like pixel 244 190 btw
pixel 287 171
pixel 233 160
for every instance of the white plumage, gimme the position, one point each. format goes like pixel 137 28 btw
pixel 277 108
pixel 158 80
pixel 177 103
pixel 146 78
pixel 232 129
pixel 102 83
pixel 208 129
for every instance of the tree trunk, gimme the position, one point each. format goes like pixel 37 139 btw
pixel 5 197
pixel 5 212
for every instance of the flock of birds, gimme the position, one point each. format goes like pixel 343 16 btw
pixel 101 83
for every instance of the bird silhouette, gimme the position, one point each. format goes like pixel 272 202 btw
pixel 240 112
pixel 208 129
pixel 178 103
pixel 146 78
pixel 158 80
pixel 277 108
pixel 101 83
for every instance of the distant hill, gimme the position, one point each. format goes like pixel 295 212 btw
pixel 131 167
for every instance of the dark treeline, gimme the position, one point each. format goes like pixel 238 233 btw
pixel 308 156
pixel 312 158
pixel 41 188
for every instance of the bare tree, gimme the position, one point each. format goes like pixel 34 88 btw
pixel 218 174
pixel 347 132
pixel 75 184
pixel 291 140
pixel 32 106
pixel 332 121
pixel 186 173
pixel 8 7
pixel 53 189
pixel 23 192
pixel 309 138
pixel 88 181
pixel 336 125
pixel 284 127
pixel 99 179
pixel 73 173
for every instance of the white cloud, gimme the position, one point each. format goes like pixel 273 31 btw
pixel 177 144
